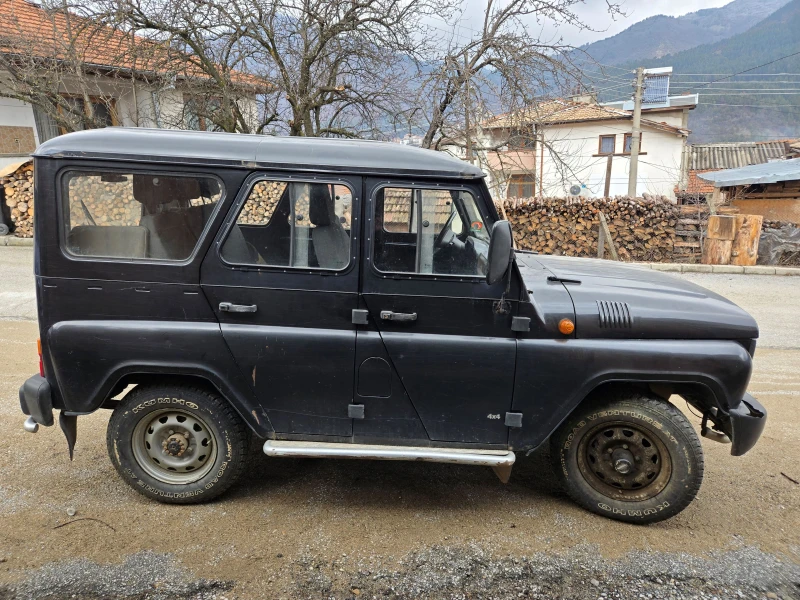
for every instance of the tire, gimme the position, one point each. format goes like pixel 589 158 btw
pixel 643 435
pixel 177 444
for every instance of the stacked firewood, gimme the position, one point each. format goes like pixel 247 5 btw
pixel 262 202
pixel 108 202
pixel 18 193
pixel 641 229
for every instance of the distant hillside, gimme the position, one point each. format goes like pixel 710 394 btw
pixel 661 35
pixel 770 116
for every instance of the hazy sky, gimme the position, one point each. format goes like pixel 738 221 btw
pixel 595 14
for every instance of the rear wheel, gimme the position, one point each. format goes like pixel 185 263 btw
pixel 177 444
pixel 633 458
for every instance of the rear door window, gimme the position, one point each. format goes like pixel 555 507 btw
pixel 303 225
pixel 136 215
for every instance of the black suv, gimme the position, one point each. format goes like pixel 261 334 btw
pixel 358 299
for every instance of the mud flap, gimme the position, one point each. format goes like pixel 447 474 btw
pixel 69 425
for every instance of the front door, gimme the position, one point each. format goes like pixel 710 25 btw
pixel 283 279
pixel 424 286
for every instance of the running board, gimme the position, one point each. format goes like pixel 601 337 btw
pixel 501 461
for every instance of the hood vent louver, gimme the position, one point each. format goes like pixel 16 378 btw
pixel 614 314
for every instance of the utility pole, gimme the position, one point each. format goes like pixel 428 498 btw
pixel 636 133
pixel 466 110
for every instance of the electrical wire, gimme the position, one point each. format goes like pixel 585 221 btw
pixel 752 68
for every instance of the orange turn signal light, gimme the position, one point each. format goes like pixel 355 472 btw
pixel 566 326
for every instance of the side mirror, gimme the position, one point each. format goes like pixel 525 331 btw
pixel 500 252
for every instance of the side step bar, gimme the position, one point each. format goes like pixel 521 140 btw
pixel 501 461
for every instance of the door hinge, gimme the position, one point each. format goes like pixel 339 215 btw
pixel 355 411
pixel 360 316
pixel 513 419
pixel 521 324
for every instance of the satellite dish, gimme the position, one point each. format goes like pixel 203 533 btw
pixel 575 190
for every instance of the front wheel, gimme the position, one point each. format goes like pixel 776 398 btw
pixel 177 444
pixel 633 458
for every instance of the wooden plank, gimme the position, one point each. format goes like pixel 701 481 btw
pixel 717 252
pixel 744 250
pixel 714 200
pixel 721 227
pixel 609 240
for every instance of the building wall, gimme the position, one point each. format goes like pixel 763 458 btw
pixel 17 115
pixel 137 105
pixel 571 157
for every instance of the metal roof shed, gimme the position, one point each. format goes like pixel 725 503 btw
pixel 771 172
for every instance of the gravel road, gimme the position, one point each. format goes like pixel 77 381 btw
pixel 352 529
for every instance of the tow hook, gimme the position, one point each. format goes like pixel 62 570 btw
pixel 712 434
pixel 30 425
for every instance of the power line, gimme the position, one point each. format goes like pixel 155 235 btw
pixel 745 95
pixel 754 106
pixel 753 68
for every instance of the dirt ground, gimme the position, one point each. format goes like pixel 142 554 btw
pixel 324 528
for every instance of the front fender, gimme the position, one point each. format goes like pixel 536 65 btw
pixel 554 376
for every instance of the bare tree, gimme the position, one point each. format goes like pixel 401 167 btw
pixel 47 54
pixel 335 66
pixel 504 66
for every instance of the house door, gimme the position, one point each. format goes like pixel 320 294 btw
pixel 283 279
pixel 425 289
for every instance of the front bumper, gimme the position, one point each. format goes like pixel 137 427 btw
pixel 36 400
pixel 747 422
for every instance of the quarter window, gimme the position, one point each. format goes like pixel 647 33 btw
pixel 292 224
pixel 429 231
pixel 136 215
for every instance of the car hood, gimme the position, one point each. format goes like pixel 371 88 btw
pixel 619 300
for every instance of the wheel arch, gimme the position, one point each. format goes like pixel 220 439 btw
pixel 142 376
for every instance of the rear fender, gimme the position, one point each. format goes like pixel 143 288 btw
pixel 91 361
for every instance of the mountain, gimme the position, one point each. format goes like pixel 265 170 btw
pixel 660 35
pixel 758 116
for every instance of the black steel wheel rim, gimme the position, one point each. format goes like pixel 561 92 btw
pixel 624 461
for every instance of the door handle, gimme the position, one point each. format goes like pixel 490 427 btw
pixel 237 308
pixel 388 315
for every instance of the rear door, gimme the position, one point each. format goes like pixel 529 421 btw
pixel 283 280
pixel 424 286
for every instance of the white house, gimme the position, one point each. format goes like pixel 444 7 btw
pixel 578 147
pixel 123 90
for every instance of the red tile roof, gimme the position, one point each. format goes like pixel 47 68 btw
pixel 555 112
pixel 28 30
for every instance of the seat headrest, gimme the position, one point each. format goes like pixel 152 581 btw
pixel 320 205
pixel 154 190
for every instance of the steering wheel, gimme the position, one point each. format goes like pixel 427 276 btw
pixel 445 238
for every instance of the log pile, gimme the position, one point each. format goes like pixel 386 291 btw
pixel 18 196
pixel 262 202
pixel 643 229
pixel 108 202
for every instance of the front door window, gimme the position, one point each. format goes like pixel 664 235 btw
pixel 429 231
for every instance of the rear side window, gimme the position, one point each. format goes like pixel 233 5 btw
pixel 111 214
pixel 304 225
